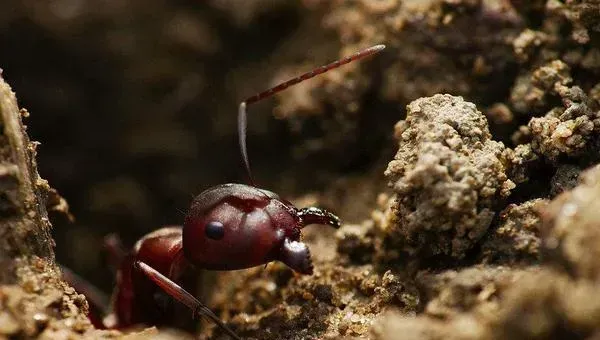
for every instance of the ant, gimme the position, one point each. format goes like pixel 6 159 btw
pixel 228 227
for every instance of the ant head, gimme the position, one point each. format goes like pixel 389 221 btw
pixel 236 226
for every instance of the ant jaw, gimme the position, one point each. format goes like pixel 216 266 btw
pixel 314 215
pixel 296 255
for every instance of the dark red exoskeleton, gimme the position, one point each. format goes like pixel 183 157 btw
pixel 228 227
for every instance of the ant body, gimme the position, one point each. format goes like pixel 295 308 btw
pixel 228 227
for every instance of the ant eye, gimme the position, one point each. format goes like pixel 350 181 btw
pixel 214 230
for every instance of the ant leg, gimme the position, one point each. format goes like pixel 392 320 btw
pixel 181 295
pixel 313 215
pixel 115 250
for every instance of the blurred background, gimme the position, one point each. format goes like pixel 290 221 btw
pixel 134 103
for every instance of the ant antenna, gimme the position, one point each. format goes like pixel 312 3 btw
pixel 242 115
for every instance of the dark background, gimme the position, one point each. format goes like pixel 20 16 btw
pixel 134 103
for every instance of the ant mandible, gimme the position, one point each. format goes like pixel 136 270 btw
pixel 228 227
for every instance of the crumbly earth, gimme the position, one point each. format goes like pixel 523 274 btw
pixel 570 225
pixel 41 305
pixel 339 299
pixel 516 236
pixel 566 130
pixel 448 176
pixel 373 287
pixel 489 226
pixel 537 304
pixel 444 145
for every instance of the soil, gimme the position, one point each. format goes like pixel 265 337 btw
pixel 463 160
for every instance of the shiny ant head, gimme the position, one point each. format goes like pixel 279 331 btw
pixel 236 226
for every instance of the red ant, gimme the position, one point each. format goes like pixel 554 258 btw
pixel 228 227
